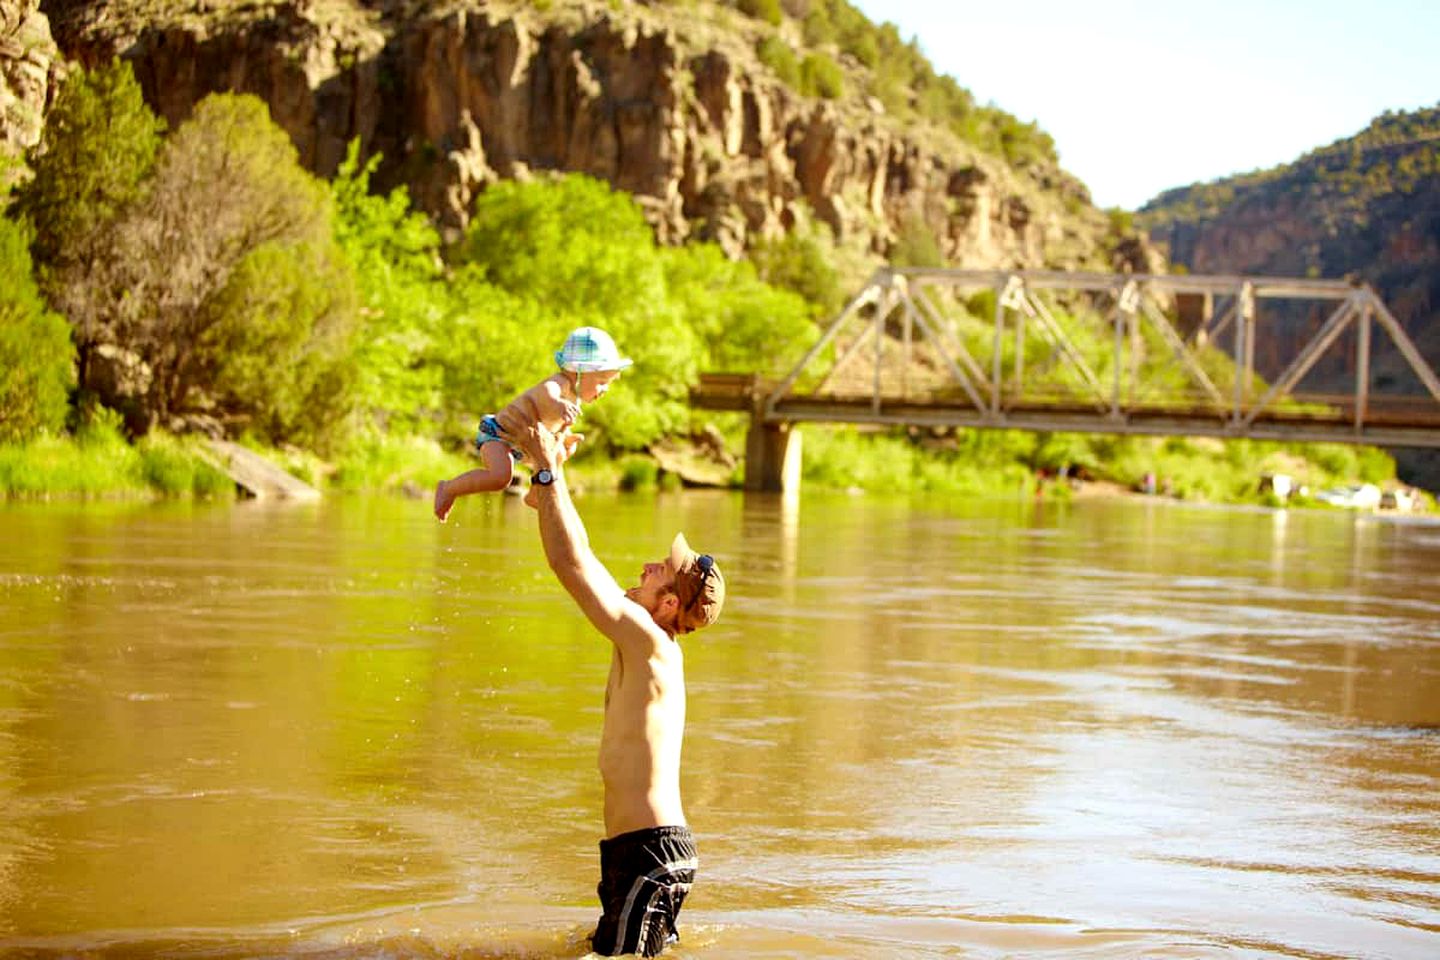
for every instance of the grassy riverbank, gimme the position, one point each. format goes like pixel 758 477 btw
pixel 97 462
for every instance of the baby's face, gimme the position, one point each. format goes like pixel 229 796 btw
pixel 594 385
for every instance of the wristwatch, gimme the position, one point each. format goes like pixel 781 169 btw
pixel 544 477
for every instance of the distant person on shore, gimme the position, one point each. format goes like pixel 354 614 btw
pixel 647 859
pixel 589 363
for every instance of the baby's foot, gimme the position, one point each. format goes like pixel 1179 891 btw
pixel 444 500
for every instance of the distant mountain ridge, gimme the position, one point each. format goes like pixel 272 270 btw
pixel 1308 217
pixel 1366 206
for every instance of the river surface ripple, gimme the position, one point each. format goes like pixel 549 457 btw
pixel 923 728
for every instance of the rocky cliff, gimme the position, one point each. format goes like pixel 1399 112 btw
pixel 668 103
pixel 29 71
pixel 1366 206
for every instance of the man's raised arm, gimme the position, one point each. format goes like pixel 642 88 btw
pixel 566 542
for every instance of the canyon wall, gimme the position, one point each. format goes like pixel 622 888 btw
pixel 455 96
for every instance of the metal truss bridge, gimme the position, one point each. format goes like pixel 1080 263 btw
pixel 1100 353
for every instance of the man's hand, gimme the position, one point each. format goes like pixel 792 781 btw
pixel 541 447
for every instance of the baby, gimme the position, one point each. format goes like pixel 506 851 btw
pixel 589 362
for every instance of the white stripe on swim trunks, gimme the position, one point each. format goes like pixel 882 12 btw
pixel 687 864
pixel 643 934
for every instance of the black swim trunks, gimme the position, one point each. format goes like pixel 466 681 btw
pixel 644 877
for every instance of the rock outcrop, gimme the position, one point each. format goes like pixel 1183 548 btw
pixel 456 95
pixel 29 65
pixel 1366 207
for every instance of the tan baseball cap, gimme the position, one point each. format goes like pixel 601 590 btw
pixel 699 585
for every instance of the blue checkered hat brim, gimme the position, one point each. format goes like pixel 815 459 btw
pixel 589 349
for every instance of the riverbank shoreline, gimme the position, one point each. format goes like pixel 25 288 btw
pixel 99 463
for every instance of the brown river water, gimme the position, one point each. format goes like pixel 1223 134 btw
pixel 924 728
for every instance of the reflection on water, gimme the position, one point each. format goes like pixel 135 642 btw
pixel 923 728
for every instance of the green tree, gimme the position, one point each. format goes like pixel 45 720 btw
pixel 545 256
pixel 97 151
pixel 37 359
pixel 276 346
pixel 572 243
pixel 92 164
pixel 583 253
pixel 820 76
pixel 916 245
pixel 181 269
pixel 404 298
pixel 496 344
pixel 742 322
pixel 803 261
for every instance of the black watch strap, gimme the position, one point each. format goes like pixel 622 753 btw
pixel 544 477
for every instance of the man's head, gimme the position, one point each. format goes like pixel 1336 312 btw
pixel 684 592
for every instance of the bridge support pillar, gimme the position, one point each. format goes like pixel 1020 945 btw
pixel 772 457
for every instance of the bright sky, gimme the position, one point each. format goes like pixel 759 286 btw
pixel 1144 95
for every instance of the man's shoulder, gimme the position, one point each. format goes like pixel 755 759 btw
pixel 636 629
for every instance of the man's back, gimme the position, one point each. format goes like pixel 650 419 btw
pixel 641 740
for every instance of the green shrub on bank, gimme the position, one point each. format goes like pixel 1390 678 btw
pixel 171 466
pixel 37 359
pixel 379 463
pixel 97 462
pixel 1000 463
pixel 973 464
pixel 638 473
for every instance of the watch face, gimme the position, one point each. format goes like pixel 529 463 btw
pixel 544 478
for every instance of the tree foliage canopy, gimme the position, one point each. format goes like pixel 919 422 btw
pixel 93 161
pixel 37 360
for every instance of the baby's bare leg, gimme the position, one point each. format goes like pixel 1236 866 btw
pixel 495 475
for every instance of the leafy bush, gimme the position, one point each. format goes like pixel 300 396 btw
pixel 229 274
pixel 404 300
pixel 572 243
pixel 803 261
pixel 767 10
pixel 916 245
pixel 37 359
pixel 777 55
pixel 820 76
pixel 285 307
pixel 97 151
pixel 543 257
pixel 743 323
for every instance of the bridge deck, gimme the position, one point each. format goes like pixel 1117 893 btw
pixel 1388 421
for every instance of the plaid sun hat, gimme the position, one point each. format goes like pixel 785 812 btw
pixel 589 349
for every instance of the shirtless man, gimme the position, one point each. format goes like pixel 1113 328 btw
pixel 647 859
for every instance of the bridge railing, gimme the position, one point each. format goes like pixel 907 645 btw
pixel 1118 353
